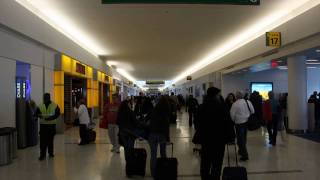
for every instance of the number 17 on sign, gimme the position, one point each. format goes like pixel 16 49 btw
pixel 273 39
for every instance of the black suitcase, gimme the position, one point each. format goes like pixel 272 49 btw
pixel 234 173
pixel 166 168
pixel 91 135
pixel 136 162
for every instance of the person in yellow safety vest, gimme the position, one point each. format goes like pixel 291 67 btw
pixel 48 112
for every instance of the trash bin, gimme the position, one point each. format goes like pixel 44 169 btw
pixel 5 146
pixel 13 149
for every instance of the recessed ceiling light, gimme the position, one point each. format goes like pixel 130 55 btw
pixel 311 67
pixel 313 63
pixel 312 60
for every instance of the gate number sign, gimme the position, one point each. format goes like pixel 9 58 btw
pixel 273 39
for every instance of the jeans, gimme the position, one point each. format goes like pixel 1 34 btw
pixel 211 161
pixel 241 130
pixel 272 127
pixel 154 140
pixel 113 131
pixel 47 132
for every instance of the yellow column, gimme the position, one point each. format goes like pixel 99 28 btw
pixel 59 89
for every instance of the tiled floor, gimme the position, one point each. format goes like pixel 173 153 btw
pixel 293 159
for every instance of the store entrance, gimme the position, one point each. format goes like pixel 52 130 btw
pixel 75 88
pixel 104 90
pixel 78 90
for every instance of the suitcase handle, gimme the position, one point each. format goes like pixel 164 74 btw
pixel 235 150
pixel 170 144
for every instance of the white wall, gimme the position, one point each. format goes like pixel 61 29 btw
pixel 14 47
pixel 7 92
pixel 236 82
pixel 313 81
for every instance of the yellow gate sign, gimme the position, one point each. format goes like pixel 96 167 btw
pixel 273 39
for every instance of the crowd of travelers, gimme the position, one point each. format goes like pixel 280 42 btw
pixel 217 122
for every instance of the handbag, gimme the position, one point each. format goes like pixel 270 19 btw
pixel 253 122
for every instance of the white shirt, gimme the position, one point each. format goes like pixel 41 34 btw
pixel 83 114
pixel 239 111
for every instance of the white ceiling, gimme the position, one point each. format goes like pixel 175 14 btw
pixel 157 42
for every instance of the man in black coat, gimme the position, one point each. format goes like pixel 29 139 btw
pixel 215 131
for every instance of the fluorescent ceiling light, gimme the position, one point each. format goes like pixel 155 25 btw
pixel 311 67
pixel 318 50
pixel 64 24
pixel 313 63
pixel 112 63
pixel 273 20
pixel 312 60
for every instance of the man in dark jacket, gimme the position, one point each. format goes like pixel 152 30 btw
pixel 159 130
pixel 216 130
pixel 127 125
pixel 192 106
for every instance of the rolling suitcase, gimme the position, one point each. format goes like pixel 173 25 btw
pixel 166 168
pixel 91 135
pixel 236 172
pixel 136 162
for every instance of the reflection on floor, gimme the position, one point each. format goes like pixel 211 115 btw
pixel 292 159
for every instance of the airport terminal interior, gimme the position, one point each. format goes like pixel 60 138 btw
pixel 90 88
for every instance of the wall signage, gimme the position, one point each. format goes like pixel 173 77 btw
pixel 273 39
pixel 80 69
pixel 21 88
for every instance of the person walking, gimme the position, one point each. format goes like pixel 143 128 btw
pixel 192 106
pixel 215 131
pixel 82 113
pixel 231 98
pixel 272 125
pixel 48 112
pixel 126 122
pixel 110 114
pixel 240 112
pixel 159 131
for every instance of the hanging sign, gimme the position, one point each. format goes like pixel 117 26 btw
pixel 273 39
pixel 236 2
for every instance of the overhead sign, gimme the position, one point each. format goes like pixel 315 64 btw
pixel 154 82
pixel 273 39
pixel 236 2
pixel 80 69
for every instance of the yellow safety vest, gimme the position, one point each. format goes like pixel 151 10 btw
pixel 47 113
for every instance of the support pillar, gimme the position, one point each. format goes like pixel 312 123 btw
pixel 297 94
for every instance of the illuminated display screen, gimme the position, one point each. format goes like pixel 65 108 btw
pixel 263 88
